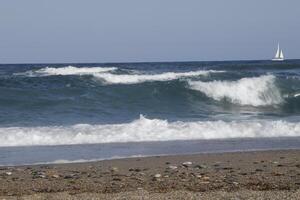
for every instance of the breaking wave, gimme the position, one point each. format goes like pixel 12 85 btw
pixel 109 78
pixel 69 70
pixel 256 91
pixel 144 129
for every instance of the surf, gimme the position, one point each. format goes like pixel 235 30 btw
pixel 65 71
pixel 254 91
pixel 144 129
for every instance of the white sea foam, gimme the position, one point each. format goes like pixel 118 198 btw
pixel 110 78
pixel 297 95
pixel 256 91
pixel 69 70
pixel 144 129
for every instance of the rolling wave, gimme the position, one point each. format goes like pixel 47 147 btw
pixel 144 129
pixel 256 91
pixel 110 78
pixel 69 70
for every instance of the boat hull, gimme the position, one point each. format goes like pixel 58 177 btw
pixel 278 59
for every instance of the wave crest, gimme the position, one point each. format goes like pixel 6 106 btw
pixel 144 129
pixel 257 91
pixel 109 78
pixel 69 70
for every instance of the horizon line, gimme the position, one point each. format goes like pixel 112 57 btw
pixel 137 62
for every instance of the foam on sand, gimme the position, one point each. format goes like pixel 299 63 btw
pixel 256 91
pixel 144 129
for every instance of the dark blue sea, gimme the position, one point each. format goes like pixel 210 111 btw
pixel 82 112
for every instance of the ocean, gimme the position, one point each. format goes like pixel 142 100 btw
pixel 51 113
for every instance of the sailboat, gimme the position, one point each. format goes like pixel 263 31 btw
pixel 279 55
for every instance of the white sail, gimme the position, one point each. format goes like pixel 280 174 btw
pixel 281 55
pixel 277 55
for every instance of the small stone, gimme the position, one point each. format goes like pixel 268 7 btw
pixel 55 176
pixel 68 176
pixel 277 174
pixel 172 167
pixel 235 183
pixel 166 176
pixel 200 167
pixel 204 182
pixel 187 164
pixel 8 173
pixel 157 175
pixel 137 170
pixel 114 169
pixel 41 176
pixel 206 178
pixel 198 176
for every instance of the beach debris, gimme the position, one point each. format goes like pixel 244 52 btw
pixel 8 173
pixel 187 164
pixel 172 167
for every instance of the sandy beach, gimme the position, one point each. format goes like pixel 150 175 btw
pixel 246 175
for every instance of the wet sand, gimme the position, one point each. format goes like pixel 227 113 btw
pixel 245 175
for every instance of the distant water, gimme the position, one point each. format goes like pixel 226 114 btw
pixel 45 105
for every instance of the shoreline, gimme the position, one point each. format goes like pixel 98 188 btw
pixel 83 161
pixel 257 172
pixel 32 155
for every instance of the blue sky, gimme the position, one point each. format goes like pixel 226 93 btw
pixel 142 30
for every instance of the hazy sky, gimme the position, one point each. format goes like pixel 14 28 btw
pixel 146 30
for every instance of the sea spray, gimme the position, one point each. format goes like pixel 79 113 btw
pixel 144 129
pixel 255 91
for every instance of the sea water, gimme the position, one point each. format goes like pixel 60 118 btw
pixel 79 112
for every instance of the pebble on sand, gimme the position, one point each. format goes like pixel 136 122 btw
pixel 173 167
pixel 157 175
pixel 8 173
pixel 186 164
